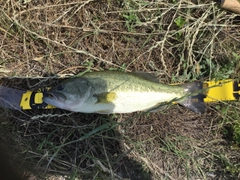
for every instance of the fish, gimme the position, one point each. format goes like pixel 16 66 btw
pixel 108 92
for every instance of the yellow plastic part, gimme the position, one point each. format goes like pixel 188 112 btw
pixel 25 101
pixel 38 98
pixel 219 90
pixel 34 100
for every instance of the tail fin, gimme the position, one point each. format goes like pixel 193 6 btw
pixel 195 100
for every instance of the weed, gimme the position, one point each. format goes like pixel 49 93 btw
pixel 131 20
pixel 180 22
pixel 122 68
pixel 209 68
pixel 231 124
pixel 131 17
pixel 88 64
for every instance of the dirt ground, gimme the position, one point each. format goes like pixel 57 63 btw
pixel 42 41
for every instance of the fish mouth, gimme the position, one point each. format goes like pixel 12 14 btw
pixel 55 96
pixel 52 96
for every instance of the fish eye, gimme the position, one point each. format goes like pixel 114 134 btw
pixel 60 88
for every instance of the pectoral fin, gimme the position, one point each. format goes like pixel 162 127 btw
pixel 107 97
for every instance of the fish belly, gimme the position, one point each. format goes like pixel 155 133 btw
pixel 139 101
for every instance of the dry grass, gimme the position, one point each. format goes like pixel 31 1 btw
pixel 178 41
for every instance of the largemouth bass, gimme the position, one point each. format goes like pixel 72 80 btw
pixel 107 92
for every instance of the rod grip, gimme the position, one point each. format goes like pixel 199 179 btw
pixel 231 5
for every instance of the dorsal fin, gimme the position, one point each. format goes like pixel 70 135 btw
pixel 146 76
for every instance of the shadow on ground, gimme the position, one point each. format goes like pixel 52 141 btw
pixel 58 142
